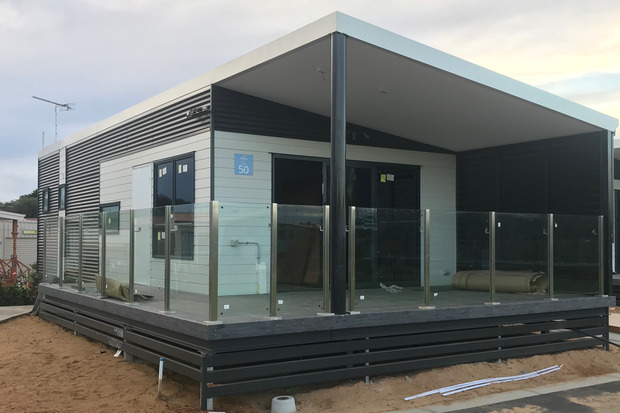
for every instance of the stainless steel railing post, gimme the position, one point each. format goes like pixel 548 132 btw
pixel 80 251
pixel 167 245
pixel 351 258
pixel 102 263
pixel 326 280
pixel 132 255
pixel 61 250
pixel 492 257
pixel 550 257
pixel 273 280
pixel 44 277
pixel 213 259
pixel 427 258
pixel 601 255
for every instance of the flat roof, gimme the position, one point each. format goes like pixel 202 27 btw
pixel 394 85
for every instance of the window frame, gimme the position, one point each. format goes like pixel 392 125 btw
pixel 45 200
pixel 113 227
pixel 183 227
pixel 62 197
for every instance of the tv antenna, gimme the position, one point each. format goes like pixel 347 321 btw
pixel 63 106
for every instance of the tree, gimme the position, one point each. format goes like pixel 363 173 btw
pixel 25 204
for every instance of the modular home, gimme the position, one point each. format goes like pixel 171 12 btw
pixel 341 202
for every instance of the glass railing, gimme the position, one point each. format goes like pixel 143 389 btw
pixel 300 290
pixel 388 260
pixel 521 257
pixel 163 258
pixel 243 260
pixel 49 228
pixel 72 251
pixel 459 258
pixel 114 258
pixel 576 255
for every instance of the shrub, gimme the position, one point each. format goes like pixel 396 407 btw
pixel 25 290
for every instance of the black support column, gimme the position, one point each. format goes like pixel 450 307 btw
pixel 338 212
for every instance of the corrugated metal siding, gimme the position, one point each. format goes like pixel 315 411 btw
pixel 48 178
pixel 160 126
pixel 241 113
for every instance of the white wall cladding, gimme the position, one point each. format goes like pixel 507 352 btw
pixel 437 192
pixel 245 209
pixel 116 174
pixel 116 185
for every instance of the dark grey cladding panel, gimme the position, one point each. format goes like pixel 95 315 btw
pixel 160 126
pixel 561 175
pixel 237 112
pixel 566 175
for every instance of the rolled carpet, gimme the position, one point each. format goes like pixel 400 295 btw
pixel 505 281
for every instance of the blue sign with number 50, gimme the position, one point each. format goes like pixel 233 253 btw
pixel 244 164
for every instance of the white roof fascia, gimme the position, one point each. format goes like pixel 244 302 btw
pixel 274 49
pixel 12 216
pixel 435 58
pixel 365 32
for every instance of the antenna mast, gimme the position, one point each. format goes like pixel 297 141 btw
pixel 63 106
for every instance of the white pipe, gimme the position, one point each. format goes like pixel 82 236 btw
pixel 161 374
pixel 506 380
pixel 446 391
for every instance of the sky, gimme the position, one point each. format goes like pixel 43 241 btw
pixel 107 55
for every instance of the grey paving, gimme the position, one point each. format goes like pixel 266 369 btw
pixel 9 312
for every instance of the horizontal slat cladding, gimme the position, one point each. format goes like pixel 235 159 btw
pixel 575 176
pixel 48 177
pixel 244 364
pixel 237 112
pixel 163 125
pixel 560 175
pixel 374 354
pixel 478 175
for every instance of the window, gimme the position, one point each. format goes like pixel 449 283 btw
pixel 46 200
pixel 112 217
pixel 62 197
pixel 174 185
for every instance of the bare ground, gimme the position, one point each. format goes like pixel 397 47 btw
pixel 44 368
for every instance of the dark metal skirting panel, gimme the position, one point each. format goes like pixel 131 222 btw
pixel 241 364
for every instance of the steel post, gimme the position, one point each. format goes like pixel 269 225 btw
pixel 61 250
pixel 326 259
pixel 213 259
pixel 167 245
pixel 427 258
pixel 601 255
pixel 44 277
pixel 102 263
pixel 132 255
pixel 492 257
pixel 550 257
pixel 80 251
pixel 351 258
pixel 337 234
pixel 273 281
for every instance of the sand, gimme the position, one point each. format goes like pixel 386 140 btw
pixel 44 368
